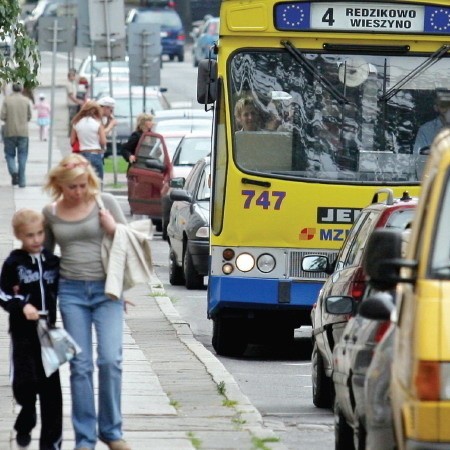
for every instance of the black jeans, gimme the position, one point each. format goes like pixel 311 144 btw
pixel 50 397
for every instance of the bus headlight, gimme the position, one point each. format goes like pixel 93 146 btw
pixel 266 263
pixel 245 262
pixel 227 268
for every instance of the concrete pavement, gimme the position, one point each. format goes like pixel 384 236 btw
pixel 176 394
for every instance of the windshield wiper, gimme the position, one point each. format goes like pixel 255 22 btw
pixel 431 60
pixel 300 58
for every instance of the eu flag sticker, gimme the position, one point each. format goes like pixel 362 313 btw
pixel 437 20
pixel 292 16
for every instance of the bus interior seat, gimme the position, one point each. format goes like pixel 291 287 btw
pixel 274 150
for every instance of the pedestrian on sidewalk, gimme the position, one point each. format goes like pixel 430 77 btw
pixel 107 105
pixel 144 123
pixel 89 131
pixel 75 100
pixel 77 224
pixel 16 113
pixel 43 116
pixel 29 280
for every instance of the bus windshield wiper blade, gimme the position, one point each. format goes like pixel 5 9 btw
pixel 431 60
pixel 300 58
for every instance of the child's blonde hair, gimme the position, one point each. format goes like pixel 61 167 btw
pixel 23 217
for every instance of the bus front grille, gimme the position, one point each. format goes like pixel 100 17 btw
pixel 295 264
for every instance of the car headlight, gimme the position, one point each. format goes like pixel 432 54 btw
pixel 245 262
pixel 202 232
pixel 266 263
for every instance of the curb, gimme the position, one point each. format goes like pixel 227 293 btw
pixel 252 420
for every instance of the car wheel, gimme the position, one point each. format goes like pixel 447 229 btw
pixel 322 392
pixel 180 57
pixel 343 433
pixel 229 337
pixel 176 277
pixel 171 57
pixel 193 280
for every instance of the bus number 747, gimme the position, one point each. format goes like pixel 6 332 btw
pixel 263 199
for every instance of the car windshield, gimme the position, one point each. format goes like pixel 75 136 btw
pixel 341 117
pixel 204 190
pixel 191 150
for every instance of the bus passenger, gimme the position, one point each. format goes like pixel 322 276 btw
pixel 247 114
pixel 430 129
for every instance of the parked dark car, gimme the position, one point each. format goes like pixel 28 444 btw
pixel 208 35
pixel 173 36
pixel 188 229
pixel 379 420
pixel 347 278
pixel 191 148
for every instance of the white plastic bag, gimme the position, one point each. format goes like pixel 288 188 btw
pixel 57 346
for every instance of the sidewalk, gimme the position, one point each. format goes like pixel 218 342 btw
pixel 176 394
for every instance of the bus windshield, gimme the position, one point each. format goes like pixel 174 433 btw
pixel 339 117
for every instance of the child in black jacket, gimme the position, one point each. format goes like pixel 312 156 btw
pixel 29 282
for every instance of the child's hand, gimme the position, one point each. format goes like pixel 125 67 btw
pixel 30 312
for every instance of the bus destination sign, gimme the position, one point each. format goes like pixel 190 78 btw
pixel 362 17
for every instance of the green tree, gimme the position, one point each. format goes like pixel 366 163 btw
pixel 24 62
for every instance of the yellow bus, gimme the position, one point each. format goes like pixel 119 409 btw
pixel 317 106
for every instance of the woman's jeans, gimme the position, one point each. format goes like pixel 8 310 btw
pixel 96 160
pixel 83 304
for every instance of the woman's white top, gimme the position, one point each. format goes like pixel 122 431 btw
pixel 87 131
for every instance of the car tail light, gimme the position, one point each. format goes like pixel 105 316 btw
pixel 427 380
pixel 171 4
pixel 381 330
pixel 181 37
pixel 358 285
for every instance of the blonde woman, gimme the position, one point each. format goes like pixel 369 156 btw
pixel 144 123
pixel 75 222
pixel 88 129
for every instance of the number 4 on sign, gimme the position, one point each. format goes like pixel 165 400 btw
pixel 263 199
pixel 328 17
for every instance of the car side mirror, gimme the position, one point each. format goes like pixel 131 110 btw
pixel 339 305
pixel 177 183
pixel 180 195
pixel 155 164
pixel 377 307
pixel 316 263
pixel 207 81
pixel 382 259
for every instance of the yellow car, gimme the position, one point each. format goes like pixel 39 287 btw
pixel 420 384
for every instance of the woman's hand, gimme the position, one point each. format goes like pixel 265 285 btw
pixel 107 222
pixel 30 312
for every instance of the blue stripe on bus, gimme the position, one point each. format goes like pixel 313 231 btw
pixel 251 292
